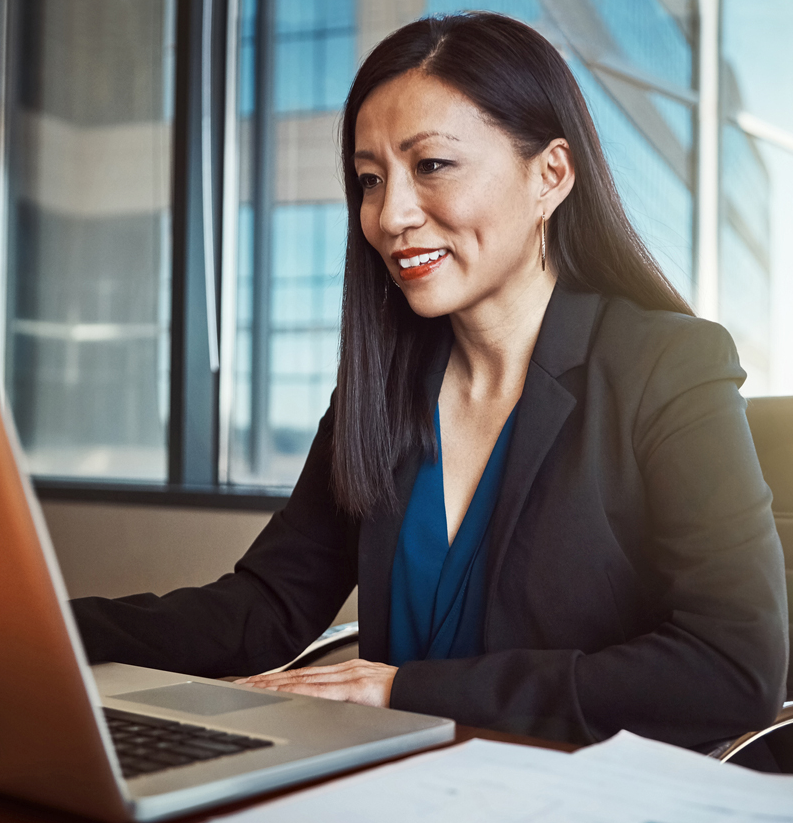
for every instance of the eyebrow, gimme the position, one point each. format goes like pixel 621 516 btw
pixel 408 144
pixel 405 145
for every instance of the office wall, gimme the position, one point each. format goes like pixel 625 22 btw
pixel 113 550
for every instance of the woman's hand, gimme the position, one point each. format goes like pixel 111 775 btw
pixel 354 681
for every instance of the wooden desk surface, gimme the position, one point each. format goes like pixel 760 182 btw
pixel 12 811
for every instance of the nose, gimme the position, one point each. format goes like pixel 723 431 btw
pixel 401 208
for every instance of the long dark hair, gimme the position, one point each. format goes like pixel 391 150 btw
pixel 524 86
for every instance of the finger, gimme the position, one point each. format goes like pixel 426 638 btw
pixel 312 673
pixel 330 691
pixel 275 681
pixel 371 690
pixel 334 667
pixel 346 665
pixel 281 684
pixel 333 691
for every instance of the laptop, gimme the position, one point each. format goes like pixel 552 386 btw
pixel 123 743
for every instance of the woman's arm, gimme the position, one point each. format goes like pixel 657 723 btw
pixel 283 594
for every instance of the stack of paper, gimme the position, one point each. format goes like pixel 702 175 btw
pixel 625 780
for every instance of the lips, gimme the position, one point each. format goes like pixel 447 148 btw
pixel 415 263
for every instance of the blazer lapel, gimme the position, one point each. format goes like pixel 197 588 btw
pixel 545 404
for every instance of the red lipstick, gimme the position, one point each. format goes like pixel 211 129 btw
pixel 423 269
pixel 411 252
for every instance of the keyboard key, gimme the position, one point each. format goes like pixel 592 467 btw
pixel 170 758
pixel 218 746
pixel 194 751
pixel 150 744
pixel 137 765
pixel 255 743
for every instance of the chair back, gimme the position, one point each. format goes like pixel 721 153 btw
pixel 771 422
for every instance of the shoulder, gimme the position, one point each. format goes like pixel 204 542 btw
pixel 624 321
pixel 663 371
pixel 668 348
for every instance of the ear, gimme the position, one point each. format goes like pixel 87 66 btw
pixel 557 174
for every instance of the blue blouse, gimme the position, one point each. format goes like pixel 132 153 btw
pixel 437 590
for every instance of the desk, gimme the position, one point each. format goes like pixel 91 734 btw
pixel 12 811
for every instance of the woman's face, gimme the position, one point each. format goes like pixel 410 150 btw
pixel 448 203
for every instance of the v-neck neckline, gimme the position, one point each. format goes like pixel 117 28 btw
pixel 479 486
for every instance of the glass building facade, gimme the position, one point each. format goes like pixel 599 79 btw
pixel 88 262
pixel 687 97
pixel 639 67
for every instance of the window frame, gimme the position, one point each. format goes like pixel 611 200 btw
pixel 197 443
pixel 192 438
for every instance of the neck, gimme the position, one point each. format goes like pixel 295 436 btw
pixel 495 341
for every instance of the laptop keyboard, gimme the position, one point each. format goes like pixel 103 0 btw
pixel 148 744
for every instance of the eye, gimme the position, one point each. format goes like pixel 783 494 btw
pixel 431 165
pixel 368 181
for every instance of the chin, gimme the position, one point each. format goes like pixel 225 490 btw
pixel 428 305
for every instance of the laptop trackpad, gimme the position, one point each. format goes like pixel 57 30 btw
pixel 200 698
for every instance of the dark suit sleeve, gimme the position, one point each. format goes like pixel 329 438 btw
pixel 283 594
pixel 714 664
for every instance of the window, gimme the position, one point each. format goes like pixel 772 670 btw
pixel 87 342
pixel 289 286
pixel 315 54
pixel 756 245
pixel 106 331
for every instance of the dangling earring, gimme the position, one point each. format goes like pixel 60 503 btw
pixel 542 240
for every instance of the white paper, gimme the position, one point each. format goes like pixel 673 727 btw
pixel 626 752
pixel 625 780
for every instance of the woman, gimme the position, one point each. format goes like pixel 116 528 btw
pixel 536 463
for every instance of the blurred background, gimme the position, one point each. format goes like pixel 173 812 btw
pixel 172 223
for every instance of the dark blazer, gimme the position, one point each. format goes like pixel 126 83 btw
pixel 635 577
